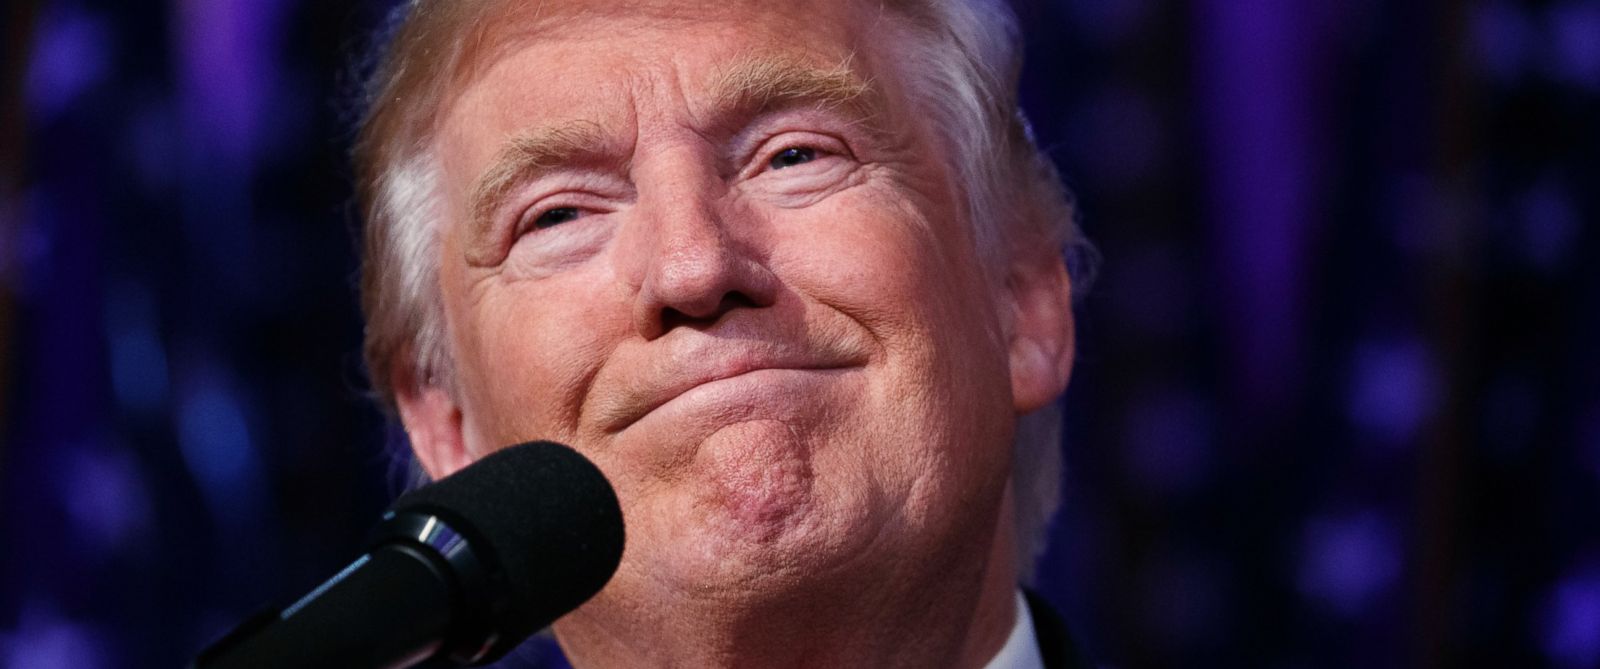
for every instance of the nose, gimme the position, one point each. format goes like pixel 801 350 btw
pixel 690 267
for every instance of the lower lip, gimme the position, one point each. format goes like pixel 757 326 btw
pixel 763 393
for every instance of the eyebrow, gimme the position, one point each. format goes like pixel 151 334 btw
pixel 762 84
pixel 524 157
pixel 748 88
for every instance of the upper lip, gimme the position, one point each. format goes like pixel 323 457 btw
pixel 703 359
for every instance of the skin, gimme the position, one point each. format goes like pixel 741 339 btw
pixel 794 372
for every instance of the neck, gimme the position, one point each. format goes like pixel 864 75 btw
pixel 916 612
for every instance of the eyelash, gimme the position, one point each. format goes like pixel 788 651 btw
pixel 807 152
pixel 814 152
pixel 539 225
pixel 531 219
pixel 820 146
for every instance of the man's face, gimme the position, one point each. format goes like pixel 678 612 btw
pixel 714 249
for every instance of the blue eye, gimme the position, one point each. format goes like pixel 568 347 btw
pixel 555 217
pixel 793 156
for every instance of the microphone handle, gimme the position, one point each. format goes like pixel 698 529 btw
pixel 390 608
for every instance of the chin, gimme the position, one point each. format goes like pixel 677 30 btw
pixel 797 560
pixel 764 545
pixel 765 510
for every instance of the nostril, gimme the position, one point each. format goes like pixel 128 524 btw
pixel 735 299
pixel 673 318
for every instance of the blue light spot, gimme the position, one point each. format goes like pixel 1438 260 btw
pixel 1575 45
pixel 1570 627
pixel 1348 562
pixel 228 73
pixel 1501 37
pixel 138 360
pixel 1549 225
pixel 44 640
pixel 1392 389
pixel 215 440
pixel 72 54
pixel 105 497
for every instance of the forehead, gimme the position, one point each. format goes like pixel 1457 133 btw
pixel 508 22
pixel 560 54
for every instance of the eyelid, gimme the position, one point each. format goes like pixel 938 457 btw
pixel 530 217
pixel 757 159
pixel 587 204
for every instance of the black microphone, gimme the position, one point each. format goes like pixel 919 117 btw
pixel 459 571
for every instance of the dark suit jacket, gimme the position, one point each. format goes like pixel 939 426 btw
pixel 1056 646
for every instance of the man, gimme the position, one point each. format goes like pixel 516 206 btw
pixel 788 273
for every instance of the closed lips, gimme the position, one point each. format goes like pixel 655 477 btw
pixel 682 370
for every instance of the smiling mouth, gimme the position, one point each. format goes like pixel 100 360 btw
pixel 640 404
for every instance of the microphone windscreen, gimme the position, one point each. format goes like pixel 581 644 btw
pixel 544 515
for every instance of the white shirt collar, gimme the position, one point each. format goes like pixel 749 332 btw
pixel 1022 647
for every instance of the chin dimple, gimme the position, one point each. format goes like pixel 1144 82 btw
pixel 760 474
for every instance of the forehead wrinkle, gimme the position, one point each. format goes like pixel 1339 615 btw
pixel 526 156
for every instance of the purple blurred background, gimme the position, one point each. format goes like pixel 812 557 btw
pixel 1338 393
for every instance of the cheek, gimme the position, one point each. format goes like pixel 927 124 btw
pixel 534 346
pixel 899 271
pixel 942 372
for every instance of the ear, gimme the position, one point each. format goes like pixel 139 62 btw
pixel 1042 332
pixel 432 419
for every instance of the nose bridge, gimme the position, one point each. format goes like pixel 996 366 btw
pixel 685 261
pixel 689 232
pixel 682 234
